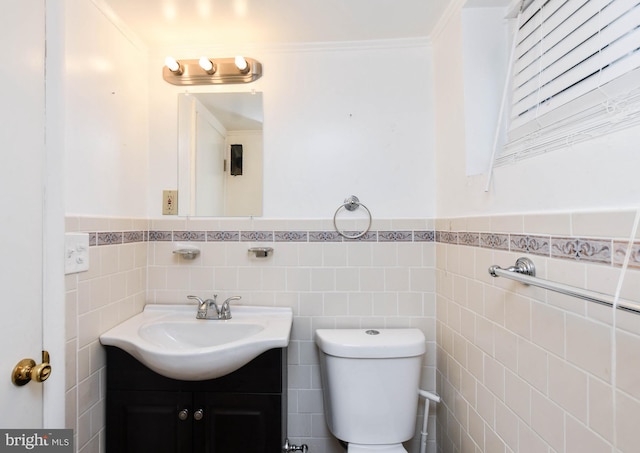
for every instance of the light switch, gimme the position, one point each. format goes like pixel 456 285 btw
pixel 76 252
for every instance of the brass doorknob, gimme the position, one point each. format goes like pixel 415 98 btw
pixel 27 370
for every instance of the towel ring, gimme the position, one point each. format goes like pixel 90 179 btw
pixel 351 204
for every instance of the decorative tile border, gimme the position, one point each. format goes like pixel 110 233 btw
pixel 324 236
pixel 494 241
pixel 223 236
pixel 109 238
pixel 395 236
pixel 160 236
pixel 535 245
pixel 118 237
pixel 620 250
pixel 424 236
pixel 291 236
pixel 369 236
pixel 256 236
pixel 470 239
pixel 448 237
pixel 134 236
pixel 196 236
pixel 604 251
pixel 594 250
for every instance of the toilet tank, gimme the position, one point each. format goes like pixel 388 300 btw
pixel 370 382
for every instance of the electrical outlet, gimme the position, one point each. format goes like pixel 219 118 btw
pixel 169 202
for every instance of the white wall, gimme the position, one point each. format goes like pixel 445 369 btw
pixel 106 166
pixel 106 115
pixel 349 119
pixel 593 175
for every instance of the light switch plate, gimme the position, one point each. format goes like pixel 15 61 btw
pixel 76 252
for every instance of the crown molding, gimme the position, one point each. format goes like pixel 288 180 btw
pixel 112 17
pixel 453 8
pixel 333 46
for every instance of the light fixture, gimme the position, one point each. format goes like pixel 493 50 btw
pixel 173 65
pixel 208 71
pixel 207 65
pixel 242 64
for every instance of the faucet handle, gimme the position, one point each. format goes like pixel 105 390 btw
pixel 200 301
pixel 225 310
pixel 202 307
pixel 232 298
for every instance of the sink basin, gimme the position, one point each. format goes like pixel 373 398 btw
pixel 188 335
pixel 170 340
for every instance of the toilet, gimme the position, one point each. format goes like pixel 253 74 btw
pixel 370 380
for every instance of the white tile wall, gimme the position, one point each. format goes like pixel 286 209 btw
pixel 333 284
pixel 519 369
pixel 526 370
pixel 111 291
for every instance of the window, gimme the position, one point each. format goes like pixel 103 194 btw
pixel 576 73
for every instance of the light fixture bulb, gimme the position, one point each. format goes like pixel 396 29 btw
pixel 173 65
pixel 242 64
pixel 207 65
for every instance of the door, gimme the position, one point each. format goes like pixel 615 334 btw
pixel 154 421
pixel 209 164
pixel 242 422
pixel 22 135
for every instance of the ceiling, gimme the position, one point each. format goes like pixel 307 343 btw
pixel 236 111
pixel 161 23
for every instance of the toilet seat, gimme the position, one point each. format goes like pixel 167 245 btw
pixel 362 448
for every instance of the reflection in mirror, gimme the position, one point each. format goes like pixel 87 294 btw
pixel 210 126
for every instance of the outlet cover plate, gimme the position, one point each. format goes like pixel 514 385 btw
pixel 169 202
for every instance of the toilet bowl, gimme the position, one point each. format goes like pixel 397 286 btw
pixel 370 380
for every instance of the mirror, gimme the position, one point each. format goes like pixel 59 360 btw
pixel 220 154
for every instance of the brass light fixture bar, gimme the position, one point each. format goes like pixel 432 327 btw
pixel 211 71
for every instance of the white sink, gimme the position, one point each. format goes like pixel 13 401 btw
pixel 170 340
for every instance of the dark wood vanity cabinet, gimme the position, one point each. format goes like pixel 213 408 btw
pixel 244 411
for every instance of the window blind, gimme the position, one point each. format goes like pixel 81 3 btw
pixel 576 73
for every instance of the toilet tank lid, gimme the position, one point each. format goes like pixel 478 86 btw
pixel 371 343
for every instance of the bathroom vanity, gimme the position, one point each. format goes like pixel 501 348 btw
pixel 244 411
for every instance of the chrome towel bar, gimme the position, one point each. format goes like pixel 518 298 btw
pixel 524 272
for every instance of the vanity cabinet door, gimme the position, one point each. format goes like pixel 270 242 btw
pixel 242 422
pixel 244 411
pixel 149 422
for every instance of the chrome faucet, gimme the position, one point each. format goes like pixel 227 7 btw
pixel 208 309
pixel 212 308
